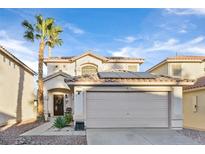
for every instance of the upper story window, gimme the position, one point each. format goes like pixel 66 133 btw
pixel 176 70
pixel 132 68
pixel 89 69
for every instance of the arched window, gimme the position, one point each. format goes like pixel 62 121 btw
pixel 89 69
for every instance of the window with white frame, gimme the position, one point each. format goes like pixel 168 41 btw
pixel 89 69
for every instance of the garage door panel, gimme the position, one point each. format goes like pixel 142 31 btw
pixel 127 109
pixel 117 123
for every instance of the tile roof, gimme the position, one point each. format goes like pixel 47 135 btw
pixel 199 83
pixel 110 58
pixel 57 74
pixel 187 58
pixel 123 58
pixel 156 80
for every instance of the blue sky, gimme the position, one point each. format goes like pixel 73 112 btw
pixel 152 34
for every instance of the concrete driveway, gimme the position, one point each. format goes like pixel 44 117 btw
pixel 137 137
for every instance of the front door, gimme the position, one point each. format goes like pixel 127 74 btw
pixel 58 105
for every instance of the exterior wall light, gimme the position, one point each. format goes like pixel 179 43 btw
pixel 35 102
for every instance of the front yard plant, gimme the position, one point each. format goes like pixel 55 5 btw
pixel 68 118
pixel 61 122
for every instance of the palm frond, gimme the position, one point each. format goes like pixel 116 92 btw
pixel 57 29
pixel 39 19
pixel 49 23
pixel 27 25
pixel 38 36
pixel 29 35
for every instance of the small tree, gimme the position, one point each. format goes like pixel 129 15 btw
pixel 47 33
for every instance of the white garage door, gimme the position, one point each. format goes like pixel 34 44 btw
pixel 126 109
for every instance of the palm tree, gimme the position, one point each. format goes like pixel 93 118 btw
pixel 47 33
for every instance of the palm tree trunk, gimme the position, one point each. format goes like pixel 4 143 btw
pixel 40 79
pixel 49 52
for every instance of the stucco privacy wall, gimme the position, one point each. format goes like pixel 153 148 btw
pixel 194 119
pixel 75 67
pixel 175 101
pixel 16 90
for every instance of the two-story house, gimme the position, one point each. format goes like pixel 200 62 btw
pixel 16 89
pixel 188 67
pixel 108 92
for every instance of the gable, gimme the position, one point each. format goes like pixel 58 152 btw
pixel 57 75
pixel 88 59
pixel 162 69
pixel 91 55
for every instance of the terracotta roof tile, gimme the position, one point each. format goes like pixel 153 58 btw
pixel 110 58
pixel 123 58
pixel 158 78
pixel 200 82
pixel 186 58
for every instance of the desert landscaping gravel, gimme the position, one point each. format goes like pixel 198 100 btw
pixel 51 140
pixel 12 134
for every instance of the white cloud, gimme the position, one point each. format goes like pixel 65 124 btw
pixel 14 44
pixel 181 12
pixel 127 52
pixel 182 31
pixel 128 39
pixel 19 49
pixel 194 46
pixel 74 29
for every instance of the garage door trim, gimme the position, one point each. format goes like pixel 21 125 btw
pixel 167 110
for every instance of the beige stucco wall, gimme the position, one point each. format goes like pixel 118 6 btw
pixel 56 86
pixel 163 70
pixel 191 70
pixel 16 91
pixel 75 67
pixel 192 119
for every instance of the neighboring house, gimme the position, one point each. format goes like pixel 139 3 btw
pixel 194 105
pixel 185 67
pixel 110 92
pixel 188 67
pixel 16 89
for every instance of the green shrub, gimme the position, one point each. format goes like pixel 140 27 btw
pixel 60 122
pixel 68 118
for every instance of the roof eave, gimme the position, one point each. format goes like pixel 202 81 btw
pixel 139 61
pixel 194 89
pixel 98 83
pixel 18 61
